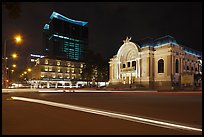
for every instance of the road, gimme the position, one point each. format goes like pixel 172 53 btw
pixel 21 117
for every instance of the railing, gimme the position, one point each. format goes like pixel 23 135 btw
pixel 128 69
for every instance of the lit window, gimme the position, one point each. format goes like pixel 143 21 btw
pixel 58 63
pixel 46 61
pixel 161 66
pixel 46 68
pixel 42 75
pixel 50 69
pixel 38 62
pixel 81 65
pixel 58 69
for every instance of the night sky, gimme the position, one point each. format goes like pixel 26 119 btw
pixel 109 23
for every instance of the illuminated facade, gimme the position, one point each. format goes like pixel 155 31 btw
pixel 155 64
pixel 65 38
pixel 53 73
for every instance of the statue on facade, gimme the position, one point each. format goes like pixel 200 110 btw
pixel 127 40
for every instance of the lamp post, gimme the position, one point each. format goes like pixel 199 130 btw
pixel 5 58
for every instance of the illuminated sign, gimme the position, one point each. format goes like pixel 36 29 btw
pixel 38 56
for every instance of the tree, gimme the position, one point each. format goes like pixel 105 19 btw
pixel 96 68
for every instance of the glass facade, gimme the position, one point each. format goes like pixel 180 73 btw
pixel 65 39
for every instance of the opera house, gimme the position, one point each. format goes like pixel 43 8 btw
pixel 155 64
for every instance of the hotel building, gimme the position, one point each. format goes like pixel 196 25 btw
pixel 52 73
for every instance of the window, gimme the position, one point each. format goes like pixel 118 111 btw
pixel 134 64
pixel 191 68
pixel 161 66
pixel 123 65
pixel 46 61
pixel 187 67
pixel 196 69
pixel 177 66
pixel 46 68
pixel 81 65
pixel 68 70
pixel 58 63
pixel 128 64
pixel 58 69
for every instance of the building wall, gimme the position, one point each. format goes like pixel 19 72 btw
pixel 175 59
pixel 56 69
pixel 64 39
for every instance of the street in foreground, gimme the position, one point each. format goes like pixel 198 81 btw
pixel 101 113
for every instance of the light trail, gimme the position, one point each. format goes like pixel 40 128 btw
pixel 111 114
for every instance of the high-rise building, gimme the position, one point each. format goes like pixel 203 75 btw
pixel 65 38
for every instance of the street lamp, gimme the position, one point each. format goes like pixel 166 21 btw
pixel 29 70
pixel 18 39
pixel 14 55
pixel 14 65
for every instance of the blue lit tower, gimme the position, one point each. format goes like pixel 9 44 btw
pixel 65 38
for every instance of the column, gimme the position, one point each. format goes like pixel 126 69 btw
pixel 56 85
pixel 136 71
pixel 119 70
pixel 48 84
pixel 139 67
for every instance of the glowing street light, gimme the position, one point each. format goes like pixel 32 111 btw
pixel 14 65
pixel 18 38
pixel 14 55
pixel 29 70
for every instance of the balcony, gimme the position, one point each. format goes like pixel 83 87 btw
pixel 128 69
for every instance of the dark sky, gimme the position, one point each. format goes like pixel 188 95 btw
pixel 109 23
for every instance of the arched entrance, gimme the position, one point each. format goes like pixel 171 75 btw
pixel 125 66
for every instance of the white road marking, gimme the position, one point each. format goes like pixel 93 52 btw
pixel 111 114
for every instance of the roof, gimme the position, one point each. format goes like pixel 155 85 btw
pixel 63 18
pixel 163 40
pixel 156 42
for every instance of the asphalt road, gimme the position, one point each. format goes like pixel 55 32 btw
pixel 26 118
